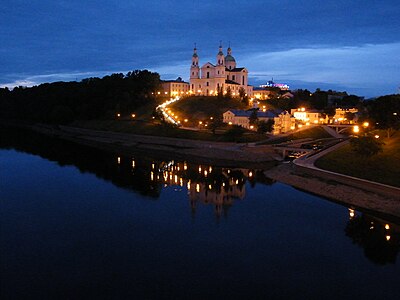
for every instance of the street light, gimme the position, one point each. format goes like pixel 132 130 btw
pixel 356 129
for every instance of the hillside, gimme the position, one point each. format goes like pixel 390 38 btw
pixel 383 167
pixel 200 108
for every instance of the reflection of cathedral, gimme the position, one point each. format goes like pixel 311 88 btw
pixel 205 184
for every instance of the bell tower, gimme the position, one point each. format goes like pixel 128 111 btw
pixel 194 69
pixel 220 56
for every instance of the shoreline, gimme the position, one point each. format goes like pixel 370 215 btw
pixel 229 155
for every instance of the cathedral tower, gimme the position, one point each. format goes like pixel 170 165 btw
pixel 230 60
pixel 194 69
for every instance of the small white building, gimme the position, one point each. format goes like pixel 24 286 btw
pixel 173 88
pixel 308 116
pixel 284 122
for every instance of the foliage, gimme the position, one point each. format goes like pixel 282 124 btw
pixel 91 98
pixel 385 112
pixel 215 123
pixel 265 126
pixel 366 145
pixel 253 119
pixel 235 132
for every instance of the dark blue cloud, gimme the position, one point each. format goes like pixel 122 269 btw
pixel 74 37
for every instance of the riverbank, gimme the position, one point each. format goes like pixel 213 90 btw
pixel 229 155
pixel 388 205
pixel 216 153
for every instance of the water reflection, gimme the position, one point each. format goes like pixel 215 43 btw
pixel 205 184
pixel 379 238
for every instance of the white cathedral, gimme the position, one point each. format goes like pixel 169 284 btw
pixel 209 79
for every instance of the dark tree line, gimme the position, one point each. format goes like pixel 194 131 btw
pixel 91 98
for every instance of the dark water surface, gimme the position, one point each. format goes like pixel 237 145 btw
pixel 80 223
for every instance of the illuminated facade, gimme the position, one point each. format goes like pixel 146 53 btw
pixel 308 116
pixel 173 88
pixel 340 115
pixel 224 75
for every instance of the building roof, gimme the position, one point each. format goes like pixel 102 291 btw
pixel 231 82
pixel 236 70
pixel 229 58
pixel 247 113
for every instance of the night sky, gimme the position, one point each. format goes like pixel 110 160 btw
pixel 340 45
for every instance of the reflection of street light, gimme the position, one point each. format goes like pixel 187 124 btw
pixel 365 124
pixel 356 129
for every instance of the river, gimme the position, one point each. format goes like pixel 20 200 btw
pixel 82 223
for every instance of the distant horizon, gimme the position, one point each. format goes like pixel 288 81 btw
pixel 339 45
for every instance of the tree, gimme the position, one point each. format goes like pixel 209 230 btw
pixel 366 146
pixel 264 127
pixel 385 111
pixel 235 132
pixel 215 123
pixel 253 117
pixel 228 94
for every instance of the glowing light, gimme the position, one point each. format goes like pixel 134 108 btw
pixel 210 187
pixel 230 123
pixel 199 169
pixel 251 127
pixel 186 120
pixel 151 176
pixel 250 174
pixel 133 163
pixel 237 181
pixel 133 115
pixel 388 237
pixel 119 160
pixel 198 188
pixel 292 127
pixel 351 213
pixel 302 109
pixel 300 125
pixel 205 173
pixel 118 115
pixel 308 124
pixel 188 185
pixel 200 122
pixel 315 121
pixel 387 227
pixel 210 169
pixel 376 136
pixel 365 124
pixel 356 129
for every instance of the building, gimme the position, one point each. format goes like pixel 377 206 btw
pixel 271 83
pixel 262 93
pixel 342 114
pixel 221 77
pixel 308 116
pixel 173 88
pixel 241 117
pixel 283 121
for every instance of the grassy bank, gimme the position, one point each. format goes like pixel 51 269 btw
pixel 149 128
pixel 313 133
pixel 383 167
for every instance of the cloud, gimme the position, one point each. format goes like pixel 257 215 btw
pixel 373 68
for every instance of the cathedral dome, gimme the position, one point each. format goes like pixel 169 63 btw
pixel 229 58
